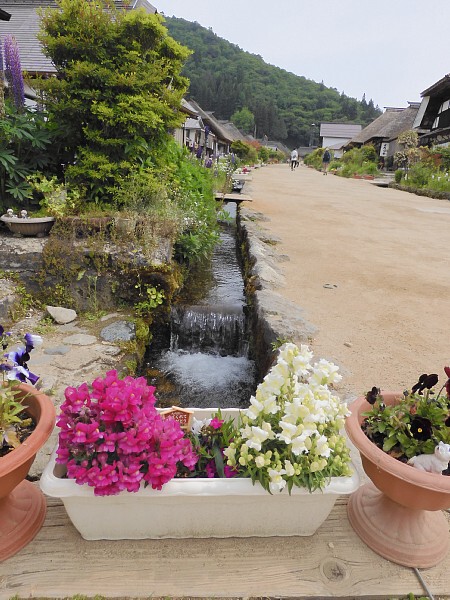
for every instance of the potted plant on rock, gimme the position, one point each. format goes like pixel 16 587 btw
pixel 27 418
pixel 274 469
pixel 398 514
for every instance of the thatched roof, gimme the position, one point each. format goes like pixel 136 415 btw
pixel 233 131
pixel 387 126
pixel 209 119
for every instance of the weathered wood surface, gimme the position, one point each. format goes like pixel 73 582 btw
pixel 333 563
pixel 233 197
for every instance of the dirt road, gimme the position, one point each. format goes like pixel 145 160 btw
pixel 370 266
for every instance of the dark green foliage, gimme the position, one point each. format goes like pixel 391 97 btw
pixel 118 89
pixel 225 79
pixel 26 145
pixel 244 151
pixel 244 120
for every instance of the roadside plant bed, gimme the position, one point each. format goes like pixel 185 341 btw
pixel 273 469
pixel 420 191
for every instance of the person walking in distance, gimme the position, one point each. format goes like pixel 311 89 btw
pixel 326 161
pixel 294 159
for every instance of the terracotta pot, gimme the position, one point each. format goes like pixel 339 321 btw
pixel 22 504
pixel 398 515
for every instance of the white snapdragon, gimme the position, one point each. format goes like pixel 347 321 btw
pixel 325 372
pixel 322 447
pixel 256 438
pixel 294 409
pixel 255 409
pixel 289 468
pixel 277 483
pixel 260 461
pixel 301 444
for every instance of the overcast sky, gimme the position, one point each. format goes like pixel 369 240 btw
pixel 389 50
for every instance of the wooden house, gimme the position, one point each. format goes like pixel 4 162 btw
pixel 433 117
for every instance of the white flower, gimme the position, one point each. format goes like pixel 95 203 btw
pixel 258 436
pixel 260 461
pixel 197 425
pixel 325 373
pixel 294 408
pixel 277 483
pixel 289 467
pixel 255 408
pixel 301 444
pixel 322 447
pixel 230 453
pixel 288 431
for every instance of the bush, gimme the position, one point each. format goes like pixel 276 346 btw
pixel 419 174
pixel 398 175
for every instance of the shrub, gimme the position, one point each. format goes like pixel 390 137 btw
pixel 398 175
pixel 419 174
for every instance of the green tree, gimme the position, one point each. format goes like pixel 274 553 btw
pixel 224 79
pixel 118 90
pixel 244 120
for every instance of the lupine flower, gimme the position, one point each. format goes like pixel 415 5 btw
pixel 13 71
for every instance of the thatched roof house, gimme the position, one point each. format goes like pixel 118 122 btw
pixel 386 128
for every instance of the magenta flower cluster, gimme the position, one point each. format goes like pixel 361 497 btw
pixel 113 439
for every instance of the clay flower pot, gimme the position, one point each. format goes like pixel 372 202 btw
pixel 33 226
pixel 22 504
pixel 398 515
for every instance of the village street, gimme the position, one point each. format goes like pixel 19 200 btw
pixel 368 266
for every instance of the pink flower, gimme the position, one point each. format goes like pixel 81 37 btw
pixel 216 423
pixel 112 437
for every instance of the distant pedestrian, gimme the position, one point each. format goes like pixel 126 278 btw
pixel 326 161
pixel 294 159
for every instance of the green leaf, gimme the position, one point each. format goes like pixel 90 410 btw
pixel 389 443
pixel 218 459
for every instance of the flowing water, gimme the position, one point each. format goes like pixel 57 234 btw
pixel 207 363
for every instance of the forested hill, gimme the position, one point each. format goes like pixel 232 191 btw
pixel 225 79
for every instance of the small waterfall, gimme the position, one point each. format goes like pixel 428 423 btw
pixel 207 363
pixel 217 329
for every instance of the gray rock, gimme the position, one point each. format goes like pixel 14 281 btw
pixel 80 339
pixel 61 315
pixel 120 331
pixel 57 350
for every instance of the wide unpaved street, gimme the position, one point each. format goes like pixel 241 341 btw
pixel 384 257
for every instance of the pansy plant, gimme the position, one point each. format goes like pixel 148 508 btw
pixel 416 424
pixel 14 370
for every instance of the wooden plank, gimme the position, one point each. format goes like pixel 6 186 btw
pixel 233 197
pixel 332 563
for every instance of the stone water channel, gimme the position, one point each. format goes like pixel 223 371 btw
pixel 206 360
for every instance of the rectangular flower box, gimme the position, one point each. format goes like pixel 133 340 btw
pixel 195 508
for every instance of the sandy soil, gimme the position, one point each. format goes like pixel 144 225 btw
pixel 370 266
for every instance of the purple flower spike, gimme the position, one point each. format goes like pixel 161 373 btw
pixel 13 71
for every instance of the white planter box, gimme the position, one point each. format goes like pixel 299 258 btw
pixel 195 508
